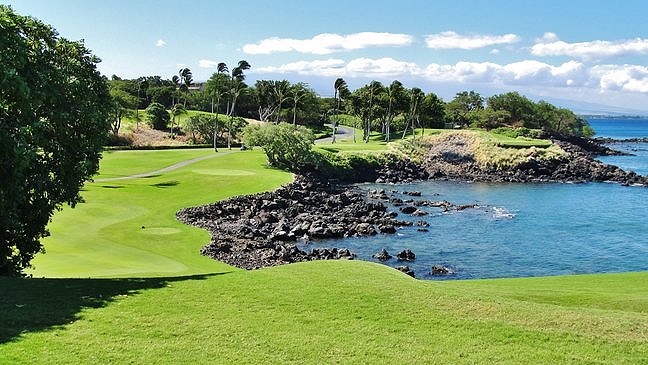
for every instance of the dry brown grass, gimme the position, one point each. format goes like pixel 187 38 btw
pixel 147 136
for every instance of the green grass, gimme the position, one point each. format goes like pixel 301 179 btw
pixel 139 161
pixel 160 302
pixel 325 312
pixel 519 142
pixel 104 236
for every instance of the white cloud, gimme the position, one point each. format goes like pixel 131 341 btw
pixel 527 72
pixel 160 43
pixel 454 40
pixel 381 67
pixel 633 78
pixel 330 67
pixel 207 64
pixel 550 45
pixel 327 43
pixel 359 67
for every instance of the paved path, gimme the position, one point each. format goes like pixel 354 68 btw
pixel 166 169
pixel 342 132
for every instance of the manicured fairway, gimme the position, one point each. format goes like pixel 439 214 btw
pixel 128 227
pixel 126 285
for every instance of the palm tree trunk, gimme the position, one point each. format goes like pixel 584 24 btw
pixel 295 114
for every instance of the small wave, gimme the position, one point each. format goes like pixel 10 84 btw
pixel 502 213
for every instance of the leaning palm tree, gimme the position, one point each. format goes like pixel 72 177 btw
pixel 185 80
pixel 237 83
pixel 176 84
pixel 236 86
pixel 297 91
pixel 340 88
pixel 416 97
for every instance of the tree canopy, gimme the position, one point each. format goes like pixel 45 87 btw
pixel 54 119
pixel 285 145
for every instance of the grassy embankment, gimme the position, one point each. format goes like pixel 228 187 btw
pixel 164 303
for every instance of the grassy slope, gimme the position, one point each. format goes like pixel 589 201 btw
pixel 351 312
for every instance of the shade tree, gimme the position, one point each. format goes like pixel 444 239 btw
pixel 54 118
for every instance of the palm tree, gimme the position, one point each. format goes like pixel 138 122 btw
pixel 393 90
pixel 297 92
pixel 185 80
pixel 176 84
pixel 237 83
pixel 373 90
pixel 281 90
pixel 416 96
pixel 340 88
pixel 176 111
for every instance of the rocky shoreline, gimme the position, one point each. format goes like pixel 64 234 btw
pixel 262 230
pixel 578 165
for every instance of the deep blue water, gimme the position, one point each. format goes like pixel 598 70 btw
pixel 624 129
pixel 520 230
pixel 620 128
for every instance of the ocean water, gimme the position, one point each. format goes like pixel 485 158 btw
pixel 520 230
pixel 625 129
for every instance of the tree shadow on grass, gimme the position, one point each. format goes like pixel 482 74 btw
pixel 34 305
pixel 166 184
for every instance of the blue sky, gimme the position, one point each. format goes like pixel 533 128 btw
pixel 587 55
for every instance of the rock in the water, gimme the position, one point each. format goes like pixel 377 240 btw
pixel 408 209
pixel 406 255
pixel 419 213
pixel 387 228
pixel 365 229
pixel 441 270
pixel 383 255
pixel 406 270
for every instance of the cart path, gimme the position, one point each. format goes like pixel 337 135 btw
pixel 166 169
pixel 342 132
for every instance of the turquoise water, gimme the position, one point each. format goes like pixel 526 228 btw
pixel 520 230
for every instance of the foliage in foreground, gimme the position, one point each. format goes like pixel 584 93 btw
pixel 55 117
